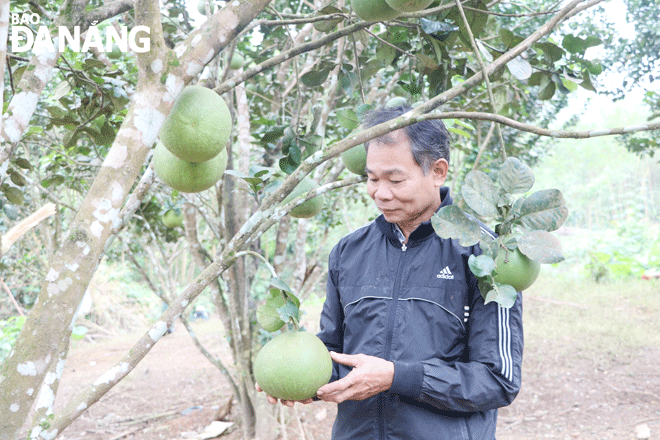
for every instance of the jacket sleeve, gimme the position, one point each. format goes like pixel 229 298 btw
pixel 332 316
pixel 488 376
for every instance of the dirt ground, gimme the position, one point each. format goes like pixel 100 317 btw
pixel 175 392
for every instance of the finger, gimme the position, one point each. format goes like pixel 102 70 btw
pixel 335 387
pixel 350 360
pixel 257 387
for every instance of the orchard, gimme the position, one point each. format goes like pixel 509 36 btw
pixel 220 164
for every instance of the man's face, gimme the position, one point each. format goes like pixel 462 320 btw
pixel 398 185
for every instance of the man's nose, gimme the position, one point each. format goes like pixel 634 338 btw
pixel 382 192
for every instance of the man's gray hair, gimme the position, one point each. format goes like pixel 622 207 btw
pixel 429 139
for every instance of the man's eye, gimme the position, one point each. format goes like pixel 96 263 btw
pixel 396 181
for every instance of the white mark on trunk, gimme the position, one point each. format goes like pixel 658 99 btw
pixel 158 330
pixel 83 246
pixel 180 50
pixel 82 407
pixel 173 85
pixel 27 369
pixel 96 228
pixel 196 40
pixel 30 391
pixel 116 157
pixel 14 407
pixel 64 284
pixel 112 373
pixel 46 399
pixel 157 66
pixel 194 68
pixel 52 289
pixel 148 122
pixel 117 192
pixel 104 211
pixel 602 132
pixel 185 303
pixel 635 128
pixel 52 275
pixel 72 267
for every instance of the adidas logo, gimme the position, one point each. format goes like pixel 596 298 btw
pixel 446 274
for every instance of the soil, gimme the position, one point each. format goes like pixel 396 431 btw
pixel 175 392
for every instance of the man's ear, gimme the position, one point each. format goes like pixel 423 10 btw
pixel 440 170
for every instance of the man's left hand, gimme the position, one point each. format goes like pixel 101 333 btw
pixel 370 375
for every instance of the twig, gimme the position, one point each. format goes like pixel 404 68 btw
pixel 645 393
pixel 554 301
pixel 11 296
pixel 477 53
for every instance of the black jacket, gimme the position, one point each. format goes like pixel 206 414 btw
pixel 456 359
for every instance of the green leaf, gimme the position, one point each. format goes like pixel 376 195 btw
pixel 482 265
pixel 547 92
pixel 347 119
pixel 23 163
pixel 281 285
pixel 541 246
pixel 315 78
pixel 328 25
pixel 437 29
pixel 503 294
pixel 544 210
pixel 14 195
pixel 515 177
pixel 575 44
pixel 520 68
pixel 480 193
pixel 451 222
pixel 289 311
pixel 553 52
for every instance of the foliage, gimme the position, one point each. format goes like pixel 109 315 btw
pixel 9 330
pixel 523 223
pixel 285 114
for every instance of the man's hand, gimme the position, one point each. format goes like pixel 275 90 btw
pixel 370 376
pixel 288 403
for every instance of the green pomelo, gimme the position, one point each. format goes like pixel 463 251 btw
pixel 199 125
pixel 517 271
pixel 201 7
pixel 409 5
pixel 267 315
pixel 237 61
pixel 188 177
pixel 374 10
pixel 397 101
pixel 309 208
pixel 355 160
pixel 293 366
pixel 171 219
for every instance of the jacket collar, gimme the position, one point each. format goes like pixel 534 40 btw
pixel 422 232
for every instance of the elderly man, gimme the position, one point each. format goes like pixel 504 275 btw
pixel 417 354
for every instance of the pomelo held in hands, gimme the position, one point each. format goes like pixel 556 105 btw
pixel 293 366
pixel 198 126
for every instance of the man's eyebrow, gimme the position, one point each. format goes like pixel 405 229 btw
pixel 387 172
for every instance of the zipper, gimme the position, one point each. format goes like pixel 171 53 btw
pixel 389 336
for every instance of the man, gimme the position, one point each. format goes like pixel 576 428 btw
pixel 417 354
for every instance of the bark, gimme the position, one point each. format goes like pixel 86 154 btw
pixel 40 347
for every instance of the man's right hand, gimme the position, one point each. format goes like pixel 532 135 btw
pixel 288 403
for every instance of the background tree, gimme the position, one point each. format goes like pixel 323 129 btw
pixel 78 131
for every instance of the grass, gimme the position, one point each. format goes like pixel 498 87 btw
pixel 567 313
